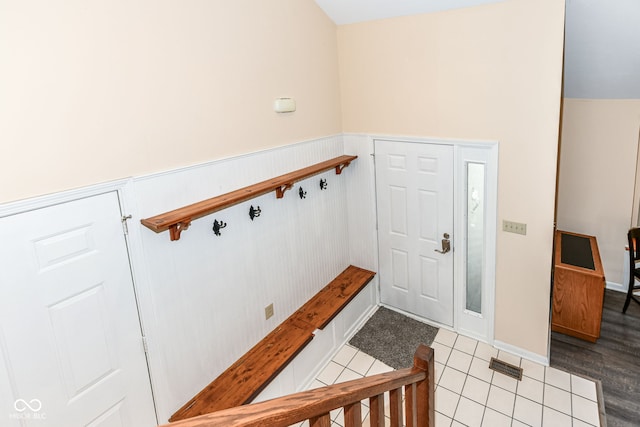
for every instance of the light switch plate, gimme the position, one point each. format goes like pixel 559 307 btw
pixel 514 227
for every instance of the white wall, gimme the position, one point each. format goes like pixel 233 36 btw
pixel 601 49
pixel 352 11
pixel 598 156
pixel 204 296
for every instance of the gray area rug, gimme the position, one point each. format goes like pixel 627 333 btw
pixel 393 338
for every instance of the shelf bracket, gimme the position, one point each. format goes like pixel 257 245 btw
pixel 176 229
pixel 340 167
pixel 280 190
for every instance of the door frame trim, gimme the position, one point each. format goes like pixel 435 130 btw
pixel 463 153
pixel 125 192
pixel 46 200
pixel 459 145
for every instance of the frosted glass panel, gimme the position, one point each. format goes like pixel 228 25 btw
pixel 475 235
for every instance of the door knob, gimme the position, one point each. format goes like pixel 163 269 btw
pixel 446 244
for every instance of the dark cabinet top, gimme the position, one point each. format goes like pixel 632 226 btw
pixel 576 250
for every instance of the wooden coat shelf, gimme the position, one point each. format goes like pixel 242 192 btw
pixel 178 220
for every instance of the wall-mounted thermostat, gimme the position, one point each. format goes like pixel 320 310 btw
pixel 284 105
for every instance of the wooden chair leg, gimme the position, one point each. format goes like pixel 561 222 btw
pixel 630 296
pixel 626 303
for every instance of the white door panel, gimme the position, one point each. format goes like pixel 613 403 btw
pixel 415 209
pixel 70 331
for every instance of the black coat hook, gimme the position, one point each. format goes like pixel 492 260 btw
pixel 302 193
pixel 217 226
pixel 323 184
pixel 254 212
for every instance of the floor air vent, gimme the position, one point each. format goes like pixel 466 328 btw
pixel 505 368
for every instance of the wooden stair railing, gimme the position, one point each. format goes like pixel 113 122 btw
pixel 315 405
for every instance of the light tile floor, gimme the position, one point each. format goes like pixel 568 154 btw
pixel 470 394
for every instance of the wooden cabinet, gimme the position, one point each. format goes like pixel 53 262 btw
pixel 578 286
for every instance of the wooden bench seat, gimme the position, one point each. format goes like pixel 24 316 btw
pixel 320 310
pixel 250 374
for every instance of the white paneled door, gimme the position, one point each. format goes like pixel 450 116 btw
pixel 72 351
pixel 414 184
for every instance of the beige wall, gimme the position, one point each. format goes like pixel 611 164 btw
pixel 94 91
pixel 597 174
pixel 100 90
pixel 490 72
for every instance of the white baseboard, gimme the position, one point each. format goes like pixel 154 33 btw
pixel 526 354
pixel 617 287
pixel 330 354
pixel 359 324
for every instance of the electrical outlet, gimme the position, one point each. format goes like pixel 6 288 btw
pixel 514 227
pixel 268 311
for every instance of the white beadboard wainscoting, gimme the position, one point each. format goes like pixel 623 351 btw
pixel 203 297
pixel 300 373
pixel 361 202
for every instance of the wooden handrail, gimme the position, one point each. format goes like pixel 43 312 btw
pixel 178 220
pixel 315 405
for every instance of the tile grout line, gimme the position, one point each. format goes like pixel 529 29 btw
pixel 515 399
pixel 544 383
pixel 571 398
pixel 486 399
pixel 544 388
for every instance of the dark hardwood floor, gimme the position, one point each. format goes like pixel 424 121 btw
pixel 614 359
